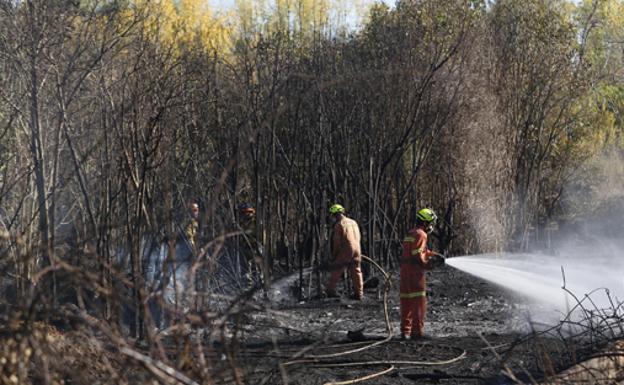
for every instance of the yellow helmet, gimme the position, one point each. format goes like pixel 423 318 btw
pixel 336 209
pixel 427 216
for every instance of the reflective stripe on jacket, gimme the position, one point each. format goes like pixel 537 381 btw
pixel 414 294
pixel 414 262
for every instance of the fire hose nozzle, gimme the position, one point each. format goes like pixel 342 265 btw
pixel 437 260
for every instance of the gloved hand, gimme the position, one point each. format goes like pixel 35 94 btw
pixel 436 260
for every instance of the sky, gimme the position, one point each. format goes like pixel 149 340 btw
pixel 222 4
pixel 351 16
pixel 227 4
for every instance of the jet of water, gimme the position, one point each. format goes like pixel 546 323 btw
pixel 542 277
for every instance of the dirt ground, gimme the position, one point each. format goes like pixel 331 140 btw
pixel 476 334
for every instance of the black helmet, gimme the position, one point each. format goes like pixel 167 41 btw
pixel 246 208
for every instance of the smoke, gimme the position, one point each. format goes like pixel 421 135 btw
pixel 577 262
pixel 593 200
pixel 487 169
pixel 581 260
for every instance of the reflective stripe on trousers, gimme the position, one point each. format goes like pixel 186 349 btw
pixel 413 294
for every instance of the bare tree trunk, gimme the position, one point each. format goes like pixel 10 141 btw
pixel 36 138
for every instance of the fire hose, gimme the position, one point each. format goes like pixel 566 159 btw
pixel 316 359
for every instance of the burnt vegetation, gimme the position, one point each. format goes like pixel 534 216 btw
pixel 505 117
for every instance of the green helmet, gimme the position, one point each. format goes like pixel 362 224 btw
pixel 427 216
pixel 336 209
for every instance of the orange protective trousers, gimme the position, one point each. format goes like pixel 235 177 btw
pixel 413 312
pixel 355 271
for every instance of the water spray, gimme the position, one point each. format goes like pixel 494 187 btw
pixel 552 282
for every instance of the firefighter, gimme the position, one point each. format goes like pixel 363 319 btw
pixel 346 252
pixel 250 249
pixel 192 226
pixel 415 260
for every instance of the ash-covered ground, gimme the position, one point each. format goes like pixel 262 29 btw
pixel 476 334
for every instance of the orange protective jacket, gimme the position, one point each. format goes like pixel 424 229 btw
pixel 346 237
pixel 414 263
pixel 347 254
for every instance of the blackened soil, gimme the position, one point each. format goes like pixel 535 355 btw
pixel 475 335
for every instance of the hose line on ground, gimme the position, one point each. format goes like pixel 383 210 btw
pixel 360 379
pixel 314 359
pixel 368 346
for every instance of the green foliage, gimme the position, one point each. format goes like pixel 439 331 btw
pixel 294 96
pixel 602 29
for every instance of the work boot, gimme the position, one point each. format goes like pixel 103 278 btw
pixel 331 294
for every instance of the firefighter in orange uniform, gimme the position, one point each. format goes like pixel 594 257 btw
pixel 346 252
pixel 415 260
